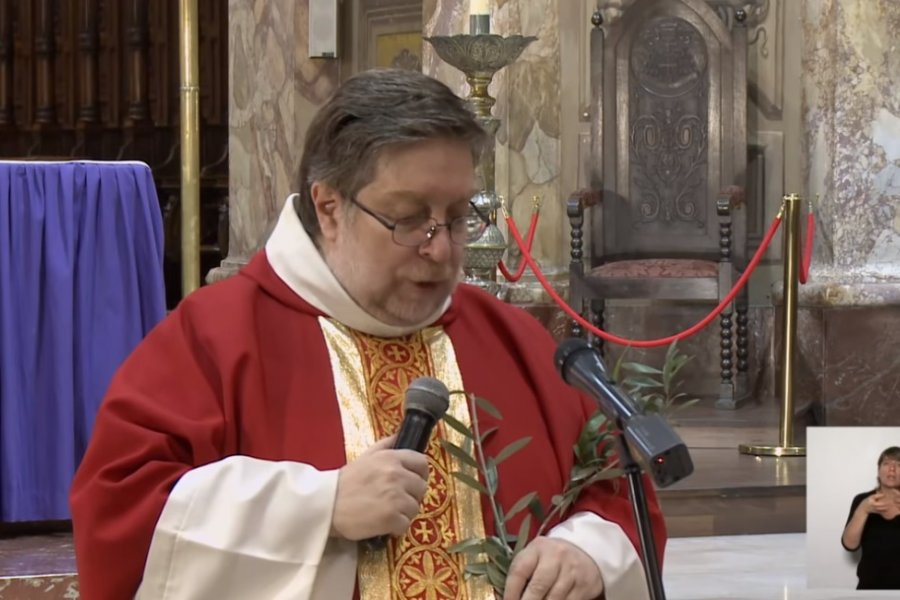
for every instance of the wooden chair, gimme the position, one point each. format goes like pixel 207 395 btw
pixel 665 207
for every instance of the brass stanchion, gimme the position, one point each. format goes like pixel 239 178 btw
pixel 190 146
pixel 791 232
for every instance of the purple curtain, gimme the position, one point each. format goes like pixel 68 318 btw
pixel 81 283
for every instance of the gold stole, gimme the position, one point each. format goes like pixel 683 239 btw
pixel 371 376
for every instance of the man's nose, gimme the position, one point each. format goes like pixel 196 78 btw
pixel 439 246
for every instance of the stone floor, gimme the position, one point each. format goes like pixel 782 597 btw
pixel 746 567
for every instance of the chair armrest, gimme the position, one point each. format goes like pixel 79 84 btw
pixel 730 198
pixel 575 206
pixel 579 201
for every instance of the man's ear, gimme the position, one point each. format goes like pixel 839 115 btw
pixel 328 205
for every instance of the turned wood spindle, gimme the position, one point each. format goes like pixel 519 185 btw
pixel 45 55
pixel 6 63
pixel 137 37
pixel 88 49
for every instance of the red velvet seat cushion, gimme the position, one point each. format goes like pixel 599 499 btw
pixel 658 267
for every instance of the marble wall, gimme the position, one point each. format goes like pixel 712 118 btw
pixel 275 90
pixel 851 73
pixel 848 346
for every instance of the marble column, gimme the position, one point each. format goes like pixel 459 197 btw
pixel 275 89
pixel 529 108
pixel 850 309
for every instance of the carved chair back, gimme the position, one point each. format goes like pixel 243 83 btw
pixel 669 131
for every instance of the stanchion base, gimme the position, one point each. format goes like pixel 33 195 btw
pixel 772 450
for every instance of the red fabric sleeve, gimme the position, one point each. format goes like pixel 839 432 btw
pixel 139 449
pixel 233 370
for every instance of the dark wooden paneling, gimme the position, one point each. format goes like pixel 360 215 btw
pixel 99 80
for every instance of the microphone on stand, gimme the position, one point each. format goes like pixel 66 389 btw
pixel 656 444
pixel 426 401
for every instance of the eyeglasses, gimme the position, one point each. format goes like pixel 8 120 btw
pixel 418 230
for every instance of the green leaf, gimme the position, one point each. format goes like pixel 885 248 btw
pixel 607 474
pixel 470 481
pixel 522 536
pixel 486 434
pixel 478 568
pixel 453 423
pixel 557 500
pixel 582 472
pixel 471 545
pixel 460 454
pixel 521 504
pixel 496 577
pixel 536 509
pixel 490 476
pixel 617 368
pixel 496 549
pixel 487 407
pixel 511 449
pixel 637 367
pixel 643 382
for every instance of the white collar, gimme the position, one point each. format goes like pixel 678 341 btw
pixel 299 264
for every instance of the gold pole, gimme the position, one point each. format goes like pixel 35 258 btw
pixel 791 232
pixel 190 146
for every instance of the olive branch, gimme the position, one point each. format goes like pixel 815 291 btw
pixel 492 556
pixel 655 389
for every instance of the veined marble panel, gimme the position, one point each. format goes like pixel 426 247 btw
pixel 851 72
pixel 275 91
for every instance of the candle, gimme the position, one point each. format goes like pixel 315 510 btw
pixel 479 17
pixel 479 7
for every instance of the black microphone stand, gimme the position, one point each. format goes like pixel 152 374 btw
pixel 641 516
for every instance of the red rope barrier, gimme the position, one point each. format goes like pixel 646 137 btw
pixel 532 229
pixel 806 257
pixel 644 343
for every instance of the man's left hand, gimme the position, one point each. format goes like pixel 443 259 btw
pixel 552 569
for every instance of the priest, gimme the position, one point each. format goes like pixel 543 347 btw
pixel 245 448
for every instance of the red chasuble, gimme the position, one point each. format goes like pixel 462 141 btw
pixel 242 368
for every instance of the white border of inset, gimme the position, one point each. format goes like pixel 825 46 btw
pixel 841 463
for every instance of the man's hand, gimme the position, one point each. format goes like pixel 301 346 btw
pixel 380 492
pixel 551 569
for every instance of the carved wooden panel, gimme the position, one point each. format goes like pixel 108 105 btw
pixel 99 79
pixel 668 124
pixel 668 127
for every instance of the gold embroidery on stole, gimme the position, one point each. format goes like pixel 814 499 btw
pixel 371 376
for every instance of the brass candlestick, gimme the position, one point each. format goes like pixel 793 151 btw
pixel 480 56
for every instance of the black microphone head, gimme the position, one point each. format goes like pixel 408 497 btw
pixel 571 348
pixel 428 395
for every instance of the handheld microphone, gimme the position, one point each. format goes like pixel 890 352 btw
pixel 657 446
pixel 426 401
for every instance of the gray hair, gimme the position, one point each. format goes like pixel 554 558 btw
pixel 371 112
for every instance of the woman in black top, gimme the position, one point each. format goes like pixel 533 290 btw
pixel 874 527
